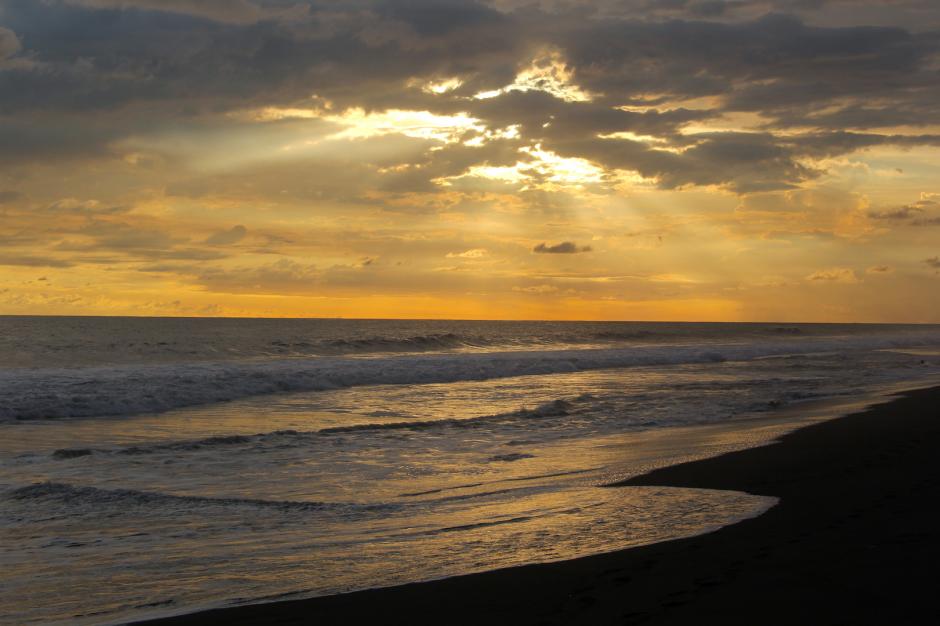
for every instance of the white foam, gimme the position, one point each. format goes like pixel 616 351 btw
pixel 136 389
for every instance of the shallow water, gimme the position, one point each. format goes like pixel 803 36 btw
pixel 139 479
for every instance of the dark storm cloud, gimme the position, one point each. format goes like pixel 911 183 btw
pixel 157 65
pixel 92 59
pixel 743 161
pixel 933 262
pixel 433 18
pixel 915 109
pixel 542 116
pixel 708 9
pixel 565 247
pixel 23 139
pixel 768 65
pixel 235 11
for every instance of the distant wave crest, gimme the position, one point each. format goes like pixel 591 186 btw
pixel 417 343
pixel 136 389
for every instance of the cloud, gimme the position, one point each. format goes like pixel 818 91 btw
pixel 901 213
pixel 9 43
pixel 101 240
pixel 933 262
pixel 32 261
pixel 84 207
pixel 160 65
pixel 565 247
pixel 24 140
pixel 909 212
pixel 473 253
pixel 540 289
pixel 232 11
pixel 282 276
pixel 357 134
pixel 6 197
pixel 775 60
pixel 834 275
pixel 103 59
pixel 226 237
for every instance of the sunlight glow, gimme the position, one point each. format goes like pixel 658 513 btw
pixel 441 86
pixel 626 134
pixel 563 170
pixel 544 169
pixel 418 124
pixel 548 73
pixel 359 124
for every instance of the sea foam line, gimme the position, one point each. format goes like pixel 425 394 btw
pixel 136 389
pixel 94 497
pixel 553 408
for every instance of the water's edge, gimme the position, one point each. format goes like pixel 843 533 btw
pixel 783 421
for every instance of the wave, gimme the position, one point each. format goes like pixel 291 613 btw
pixel 94 500
pixel 136 389
pixel 94 497
pixel 173 446
pixel 417 343
pixel 509 458
pixel 554 408
pixel 613 335
pixel 179 446
pixel 377 344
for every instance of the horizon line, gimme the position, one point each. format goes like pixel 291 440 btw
pixel 483 319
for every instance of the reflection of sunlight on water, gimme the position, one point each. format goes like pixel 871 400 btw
pixel 639 393
pixel 167 513
pixel 436 515
pixel 916 351
pixel 193 554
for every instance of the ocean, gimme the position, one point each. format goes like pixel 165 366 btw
pixel 154 466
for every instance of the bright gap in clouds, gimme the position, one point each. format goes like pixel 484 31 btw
pixel 417 124
pixel 543 170
pixel 549 73
pixel 538 167
pixel 356 123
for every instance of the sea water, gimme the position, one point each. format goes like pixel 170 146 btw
pixel 152 466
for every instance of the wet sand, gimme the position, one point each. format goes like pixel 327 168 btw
pixel 853 540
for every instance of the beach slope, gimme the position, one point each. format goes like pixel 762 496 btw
pixel 853 540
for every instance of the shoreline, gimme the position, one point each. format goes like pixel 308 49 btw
pixel 850 541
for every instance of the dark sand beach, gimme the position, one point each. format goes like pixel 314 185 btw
pixel 854 539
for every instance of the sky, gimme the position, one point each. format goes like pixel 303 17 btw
pixel 740 160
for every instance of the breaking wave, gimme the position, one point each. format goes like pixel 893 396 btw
pixel 94 497
pixel 136 389
pixel 417 343
pixel 555 408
